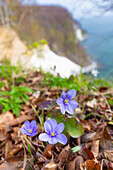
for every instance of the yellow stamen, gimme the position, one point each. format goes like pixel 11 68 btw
pixel 66 100
pixel 52 134
pixel 30 131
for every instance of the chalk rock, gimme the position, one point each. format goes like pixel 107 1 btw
pixel 51 62
pixel 12 48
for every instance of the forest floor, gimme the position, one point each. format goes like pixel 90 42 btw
pixel 95 112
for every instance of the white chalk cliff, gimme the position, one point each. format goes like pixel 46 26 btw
pixel 15 50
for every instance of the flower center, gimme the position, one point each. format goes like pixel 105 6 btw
pixel 30 131
pixel 66 101
pixel 52 134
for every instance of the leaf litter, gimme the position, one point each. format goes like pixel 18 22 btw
pixel 18 151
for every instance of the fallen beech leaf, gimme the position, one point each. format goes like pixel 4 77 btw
pixel 15 150
pixel 107 164
pixel 63 156
pixel 20 119
pixel 75 164
pixel 88 136
pixel 8 148
pixel 86 125
pixel 86 153
pixel 14 163
pixel 105 140
pixel 108 154
pixel 3 131
pixel 2 135
pixel 15 135
pixel 48 151
pixel 51 166
pixel 92 165
pixel 95 148
pixel 6 117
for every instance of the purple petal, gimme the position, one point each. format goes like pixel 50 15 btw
pixel 59 101
pixel 59 129
pixel 73 104
pixel 53 124
pixel 63 93
pixel 61 139
pixel 33 134
pixel 35 128
pixel 52 140
pixel 71 94
pixel 24 131
pixel 33 123
pixel 47 126
pixel 44 137
pixel 27 125
pixel 62 108
pixel 69 109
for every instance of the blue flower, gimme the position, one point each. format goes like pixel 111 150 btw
pixel 66 103
pixel 29 129
pixel 53 133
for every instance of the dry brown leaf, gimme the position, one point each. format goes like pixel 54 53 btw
pixel 92 165
pixel 8 148
pixel 86 153
pixel 48 151
pixel 86 125
pixel 15 150
pixel 3 131
pixel 51 166
pixel 21 119
pixel 75 164
pixel 86 137
pixel 6 117
pixel 63 156
pixel 105 140
pixel 13 163
pixel 106 164
pixel 108 154
pixel 95 148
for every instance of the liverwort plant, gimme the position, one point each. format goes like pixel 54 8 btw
pixel 66 103
pixel 53 133
pixel 67 123
pixel 29 129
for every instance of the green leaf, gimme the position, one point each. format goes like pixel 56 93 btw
pixel 2 84
pixel 57 115
pixel 29 149
pixel 76 149
pixel 16 109
pixel 74 127
pixel 25 89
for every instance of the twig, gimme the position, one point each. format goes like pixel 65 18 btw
pixel 25 160
pixel 105 101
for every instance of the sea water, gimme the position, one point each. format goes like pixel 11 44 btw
pixel 99 43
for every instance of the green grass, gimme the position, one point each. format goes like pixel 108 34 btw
pixel 81 82
pixel 12 74
pixel 16 94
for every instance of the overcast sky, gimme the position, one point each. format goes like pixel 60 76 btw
pixel 79 8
